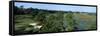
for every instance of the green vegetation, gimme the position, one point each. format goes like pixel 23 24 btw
pixel 33 20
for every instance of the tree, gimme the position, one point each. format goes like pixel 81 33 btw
pixel 53 23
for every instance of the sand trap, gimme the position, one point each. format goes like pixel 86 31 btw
pixel 35 25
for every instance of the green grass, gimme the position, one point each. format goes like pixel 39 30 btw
pixel 54 22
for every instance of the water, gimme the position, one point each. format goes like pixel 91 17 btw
pixel 81 25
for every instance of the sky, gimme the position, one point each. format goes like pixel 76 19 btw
pixel 57 7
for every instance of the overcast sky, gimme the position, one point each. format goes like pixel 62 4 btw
pixel 57 7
